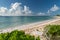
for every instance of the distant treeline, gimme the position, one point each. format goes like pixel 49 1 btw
pixel 17 35
pixel 57 15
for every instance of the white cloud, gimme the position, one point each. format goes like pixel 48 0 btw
pixel 41 14
pixel 15 10
pixel 48 11
pixel 3 11
pixel 54 8
pixel 26 11
pixel 15 5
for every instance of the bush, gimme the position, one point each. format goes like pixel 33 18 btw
pixel 53 32
pixel 17 35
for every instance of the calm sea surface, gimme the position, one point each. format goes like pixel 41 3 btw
pixel 10 21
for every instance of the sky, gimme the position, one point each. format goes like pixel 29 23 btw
pixel 29 7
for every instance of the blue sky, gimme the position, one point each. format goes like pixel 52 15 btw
pixel 29 7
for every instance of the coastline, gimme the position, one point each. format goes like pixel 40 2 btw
pixel 33 27
pixel 29 26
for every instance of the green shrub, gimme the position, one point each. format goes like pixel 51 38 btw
pixel 17 35
pixel 38 38
pixel 53 32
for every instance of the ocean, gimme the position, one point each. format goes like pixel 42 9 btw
pixel 12 21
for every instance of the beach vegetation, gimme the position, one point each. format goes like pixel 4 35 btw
pixel 57 15
pixel 38 38
pixel 17 35
pixel 53 32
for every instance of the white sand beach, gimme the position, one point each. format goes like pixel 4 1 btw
pixel 33 27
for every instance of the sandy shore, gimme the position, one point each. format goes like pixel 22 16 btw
pixel 32 25
pixel 32 28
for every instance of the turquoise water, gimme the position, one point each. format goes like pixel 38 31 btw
pixel 10 21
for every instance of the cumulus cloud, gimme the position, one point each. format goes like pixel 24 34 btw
pixel 48 11
pixel 40 14
pixel 3 11
pixel 15 10
pixel 15 5
pixel 53 9
pixel 26 11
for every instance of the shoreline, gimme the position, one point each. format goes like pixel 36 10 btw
pixel 29 26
